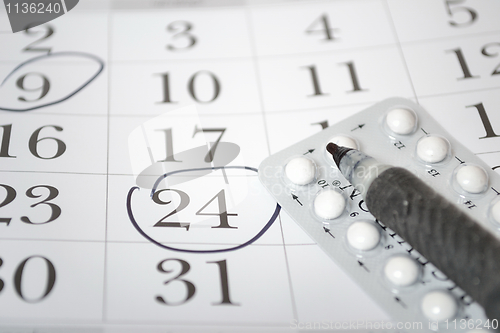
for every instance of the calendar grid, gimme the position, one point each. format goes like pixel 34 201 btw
pixel 105 268
pixel 400 49
pixel 448 38
pixel 255 60
pixel 114 274
pixel 454 93
pixel 292 294
pixel 256 67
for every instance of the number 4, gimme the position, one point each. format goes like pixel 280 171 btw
pixel 223 214
pixel 325 27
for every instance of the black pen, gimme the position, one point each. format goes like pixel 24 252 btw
pixel 455 243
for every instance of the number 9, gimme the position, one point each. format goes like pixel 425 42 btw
pixel 44 88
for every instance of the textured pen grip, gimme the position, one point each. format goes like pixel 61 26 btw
pixel 462 249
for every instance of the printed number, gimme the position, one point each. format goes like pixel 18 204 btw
pixel 169 143
pixel 33 47
pixel 190 287
pixel 18 279
pixel 191 87
pixel 223 214
pixel 485 120
pixel 181 29
pixel 433 172
pixel 169 146
pixel 11 195
pixel 55 209
pixel 362 206
pixel 381 225
pixel 486 51
pixel 452 8
pixel 43 88
pixel 399 145
pixel 352 72
pixel 469 204
pixel 325 29
pixel 210 155
pixel 33 142
pixel 184 202
pixel 323 183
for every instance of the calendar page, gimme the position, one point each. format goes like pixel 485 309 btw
pixel 132 132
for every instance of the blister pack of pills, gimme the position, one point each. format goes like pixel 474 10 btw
pixel 307 184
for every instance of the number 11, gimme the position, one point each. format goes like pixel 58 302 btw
pixel 352 72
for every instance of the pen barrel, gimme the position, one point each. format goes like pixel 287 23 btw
pixel 456 244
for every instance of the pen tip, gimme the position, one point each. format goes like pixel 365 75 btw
pixel 337 152
pixel 332 148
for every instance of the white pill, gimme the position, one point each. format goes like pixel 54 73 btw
pixel 472 178
pixel 432 149
pixel 401 271
pixel 363 235
pixel 439 305
pixel 344 141
pixel 401 121
pixel 495 212
pixel 300 170
pixel 329 204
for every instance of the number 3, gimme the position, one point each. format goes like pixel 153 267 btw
pixel 184 28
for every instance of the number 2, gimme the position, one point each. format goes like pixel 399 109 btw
pixel 183 204
pixel 49 31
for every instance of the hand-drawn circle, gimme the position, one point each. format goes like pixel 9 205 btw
pixel 56 54
pixel 139 229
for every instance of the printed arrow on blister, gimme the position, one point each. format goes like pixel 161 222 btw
pixel 363 265
pixel 400 302
pixel 310 151
pixel 296 198
pixel 25 14
pixel 328 231
pixel 358 127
